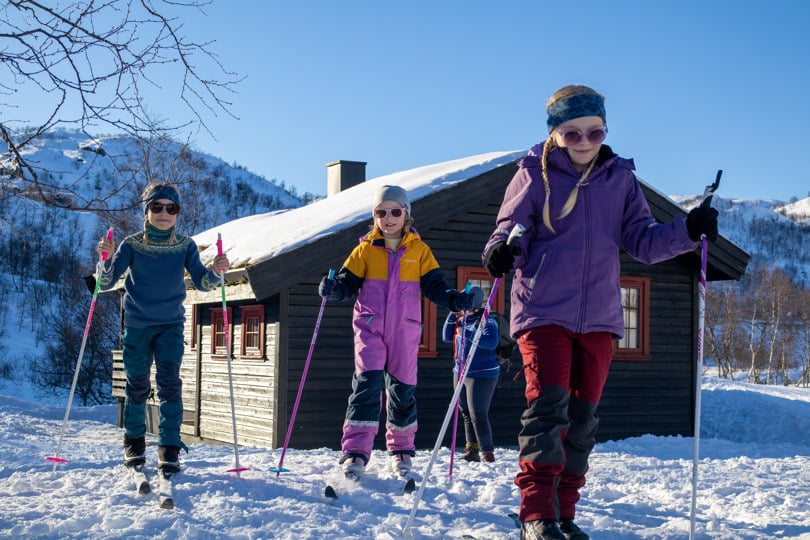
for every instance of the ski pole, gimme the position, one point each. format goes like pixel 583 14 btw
pixel 236 468
pixel 460 356
pixel 707 202
pixel 516 232
pixel 99 268
pixel 280 468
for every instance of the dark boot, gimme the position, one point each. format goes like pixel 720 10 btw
pixel 541 529
pixel 134 450
pixel 471 453
pixel 169 459
pixel 489 457
pixel 571 531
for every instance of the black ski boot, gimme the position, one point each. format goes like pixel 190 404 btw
pixel 541 529
pixel 169 459
pixel 571 531
pixel 134 450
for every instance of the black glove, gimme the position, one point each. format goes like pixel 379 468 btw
pixel 468 301
pixel 328 288
pixel 702 220
pixel 90 282
pixel 499 259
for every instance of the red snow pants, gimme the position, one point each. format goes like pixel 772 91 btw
pixel 565 374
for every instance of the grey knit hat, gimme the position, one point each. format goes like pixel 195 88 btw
pixel 391 193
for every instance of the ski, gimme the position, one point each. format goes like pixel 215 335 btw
pixel 410 486
pixel 330 493
pixel 166 494
pixel 140 480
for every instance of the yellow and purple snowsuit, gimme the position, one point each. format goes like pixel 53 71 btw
pixel 387 325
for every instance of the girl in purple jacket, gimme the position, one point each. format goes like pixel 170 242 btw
pixel 581 204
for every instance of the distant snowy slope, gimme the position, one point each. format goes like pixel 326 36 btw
pixel 772 232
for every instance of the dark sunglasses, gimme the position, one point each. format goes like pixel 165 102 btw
pixel 573 137
pixel 382 212
pixel 157 208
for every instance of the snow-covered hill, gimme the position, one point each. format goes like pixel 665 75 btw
pixel 772 232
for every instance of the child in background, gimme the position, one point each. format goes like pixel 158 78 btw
pixel 157 259
pixel 482 375
pixel 581 204
pixel 388 271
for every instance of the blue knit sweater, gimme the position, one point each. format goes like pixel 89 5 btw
pixel 155 285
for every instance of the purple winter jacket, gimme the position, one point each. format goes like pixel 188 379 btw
pixel 571 278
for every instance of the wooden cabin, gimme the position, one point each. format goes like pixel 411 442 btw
pixel 273 305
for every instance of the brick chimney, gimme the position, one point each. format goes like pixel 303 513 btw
pixel 343 174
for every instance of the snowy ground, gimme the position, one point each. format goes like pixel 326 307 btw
pixel 754 482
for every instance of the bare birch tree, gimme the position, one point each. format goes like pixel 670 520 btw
pixel 92 62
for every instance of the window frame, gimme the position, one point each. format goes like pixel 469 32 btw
pixel 642 351
pixel 247 312
pixel 220 353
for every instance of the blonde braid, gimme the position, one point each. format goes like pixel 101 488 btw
pixel 572 198
pixel 549 144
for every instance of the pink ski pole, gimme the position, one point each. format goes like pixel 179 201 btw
pixel 460 356
pixel 280 468
pixel 99 268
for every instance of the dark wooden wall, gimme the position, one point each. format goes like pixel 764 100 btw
pixel 641 397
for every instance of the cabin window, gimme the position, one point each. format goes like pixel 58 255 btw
pixel 218 344
pixel 635 345
pixel 252 331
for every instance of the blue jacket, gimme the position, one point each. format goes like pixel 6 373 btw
pixel 571 278
pixel 155 285
pixel 484 363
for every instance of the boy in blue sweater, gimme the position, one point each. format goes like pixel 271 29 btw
pixel 157 259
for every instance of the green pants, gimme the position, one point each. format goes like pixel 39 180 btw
pixel 163 346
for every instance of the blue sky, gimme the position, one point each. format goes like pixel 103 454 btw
pixel 690 86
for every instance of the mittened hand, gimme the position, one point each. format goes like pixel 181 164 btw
pixel 499 259
pixel 702 220
pixel 328 288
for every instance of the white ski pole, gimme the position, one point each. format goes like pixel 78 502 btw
pixel 236 468
pixel 707 201
pixel 517 232
pixel 56 458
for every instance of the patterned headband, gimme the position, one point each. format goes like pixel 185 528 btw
pixel 575 107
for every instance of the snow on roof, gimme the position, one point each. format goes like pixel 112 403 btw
pixel 253 239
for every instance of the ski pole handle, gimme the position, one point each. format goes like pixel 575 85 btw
pixel 709 191
pixel 219 245
pixel 104 254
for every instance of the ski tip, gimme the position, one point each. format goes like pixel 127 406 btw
pixel 329 493
pixel 410 486
pixel 278 469
pixel 56 459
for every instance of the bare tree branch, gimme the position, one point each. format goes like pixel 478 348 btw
pixel 91 62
